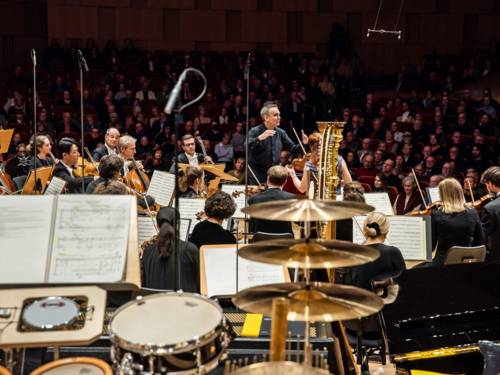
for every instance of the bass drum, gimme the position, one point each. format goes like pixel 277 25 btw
pixel 168 332
pixel 75 366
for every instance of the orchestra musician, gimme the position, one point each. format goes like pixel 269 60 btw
pixel 110 168
pixel 490 215
pixel 266 141
pixel 42 152
pixel 276 179
pixel 68 148
pixel 409 199
pixel 190 156
pixel 453 224
pixel 111 140
pixel 311 168
pixel 218 207
pixel 390 264
pixel 157 261
pixel 112 187
pixel 126 148
pixel 194 181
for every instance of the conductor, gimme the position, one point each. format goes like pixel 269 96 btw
pixel 267 140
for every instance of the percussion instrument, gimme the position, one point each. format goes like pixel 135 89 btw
pixel 307 210
pixel 75 366
pixel 50 313
pixel 184 333
pixel 279 368
pixel 314 302
pixel 4 371
pixel 309 253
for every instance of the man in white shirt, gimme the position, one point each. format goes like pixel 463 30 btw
pixel 111 140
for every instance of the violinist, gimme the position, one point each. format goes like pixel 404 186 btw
pixel 109 170
pixel 64 168
pixel 311 167
pixel 194 181
pixel 111 140
pixel 42 152
pixel 276 179
pixel 490 215
pixel 409 199
pixel 453 224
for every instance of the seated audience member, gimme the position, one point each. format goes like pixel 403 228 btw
pixel 193 182
pixel 276 179
pixel 409 199
pixel 390 263
pixel 379 184
pixel 218 207
pixel 109 170
pixel 224 150
pixel 157 261
pixel 453 224
pixel 238 171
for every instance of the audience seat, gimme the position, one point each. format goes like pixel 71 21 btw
pixel 393 193
pixel 366 187
pixel 367 180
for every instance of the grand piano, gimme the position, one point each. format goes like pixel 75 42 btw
pixel 440 315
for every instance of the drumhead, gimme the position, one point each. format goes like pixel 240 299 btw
pixel 75 366
pixel 51 312
pixel 166 320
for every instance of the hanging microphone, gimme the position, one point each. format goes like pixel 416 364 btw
pixel 82 60
pixel 33 56
pixel 174 94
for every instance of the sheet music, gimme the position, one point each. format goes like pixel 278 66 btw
pixel 90 238
pixel 56 186
pixel 220 271
pixel 188 208
pixel 161 187
pixel 433 194
pixel 25 227
pixel 240 200
pixel 380 201
pixel 146 229
pixel 407 233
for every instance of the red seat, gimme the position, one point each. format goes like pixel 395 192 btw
pixel 366 187
pixel 393 193
pixel 369 180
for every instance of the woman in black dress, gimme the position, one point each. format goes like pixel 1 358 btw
pixel 158 263
pixel 218 207
pixel 453 224
pixel 390 263
pixel 42 152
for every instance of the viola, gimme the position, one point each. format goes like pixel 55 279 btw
pixel 89 169
pixel 250 191
pixel 299 163
pixel 478 204
pixel 427 210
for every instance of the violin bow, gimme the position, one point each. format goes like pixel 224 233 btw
pixel 303 150
pixel 419 189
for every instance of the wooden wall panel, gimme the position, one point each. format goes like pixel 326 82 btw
pixel 234 4
pixel 420 6
pixel 264 27
pixel 210 25
pixel 355 6
pixel 106 22
pixel 170 4
pixel 106 3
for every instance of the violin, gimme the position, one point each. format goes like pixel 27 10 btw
pixel 250 191
pixel 89 168
pixel 427 210
pixel 300 163
pixel 478 204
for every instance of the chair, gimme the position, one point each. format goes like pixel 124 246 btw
pixel 459 254
pixel 264 236
pixel 366 187
pixel 393 193
pixel 366 180
pixel 20 181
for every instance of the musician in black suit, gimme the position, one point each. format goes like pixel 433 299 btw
pixel 267 140
pixel 276 178
pixel 111 140
pixel 65 166
pixel 110 167
pixel 190 156
pixel 490 215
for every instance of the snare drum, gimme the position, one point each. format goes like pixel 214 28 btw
pixel 168 332
pixel 75 366
pixel 4 371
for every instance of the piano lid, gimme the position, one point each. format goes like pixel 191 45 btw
pixel 445 306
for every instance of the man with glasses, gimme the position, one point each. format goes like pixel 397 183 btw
pixel 190 156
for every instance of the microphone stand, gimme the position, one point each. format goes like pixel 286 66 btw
pixel 177 220
pixel 33 59
pixel 247 122
pixel 82 64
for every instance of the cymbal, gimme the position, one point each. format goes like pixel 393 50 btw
pixel 309 253
pixel 302 209
pixel 325 302
pixel 279 368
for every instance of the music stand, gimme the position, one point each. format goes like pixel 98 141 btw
pixel 42 176
pixel 5 138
